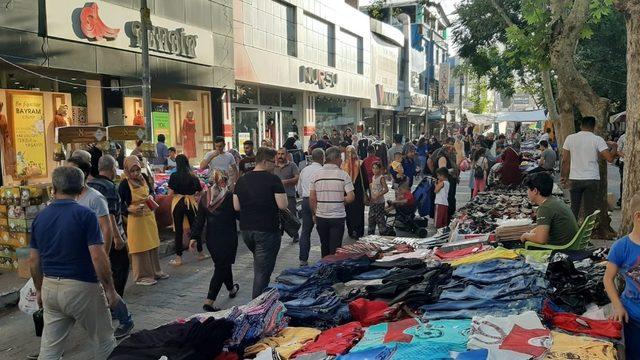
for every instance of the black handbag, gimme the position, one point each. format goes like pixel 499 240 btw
pixel 289 223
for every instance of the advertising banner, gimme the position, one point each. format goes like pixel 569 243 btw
pixel 161 121
pixel 27 118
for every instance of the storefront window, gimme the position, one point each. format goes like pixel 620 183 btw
pixel 334 113
pixel 370 121
pixel 270 97
pixel 245 94
pixel 386 128
pixel 289 98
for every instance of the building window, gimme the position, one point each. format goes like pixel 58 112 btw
pixel 274 28
pixel 351 50
pixel 320 41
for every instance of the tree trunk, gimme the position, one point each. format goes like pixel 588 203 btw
pixel 631 176
pixel 549 98
pixel 574 90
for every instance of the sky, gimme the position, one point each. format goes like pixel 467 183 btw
pixel 449 7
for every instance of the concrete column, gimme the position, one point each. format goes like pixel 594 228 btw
pixel 308 117
pixel 95 115
pixel 227 124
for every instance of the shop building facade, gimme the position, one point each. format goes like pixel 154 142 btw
pixel 306 60
pixel 86 55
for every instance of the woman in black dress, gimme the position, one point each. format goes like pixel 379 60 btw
pixel 216 212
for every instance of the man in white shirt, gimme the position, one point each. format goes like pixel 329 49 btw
pixel 327 200
pixel 581 152
pixel 304 184
pixel 219 159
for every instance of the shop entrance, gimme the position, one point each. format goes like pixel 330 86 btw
pixel 258 125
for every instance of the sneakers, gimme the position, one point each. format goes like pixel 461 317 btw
pixel 304 263
pixel 33 356
pixel 123 331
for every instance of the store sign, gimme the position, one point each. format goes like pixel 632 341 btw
pixel 322 78
pixel 27 114
pixel 174 42
pixel 419 100
pixel 443 82
pixel 386 98
pixel 105 24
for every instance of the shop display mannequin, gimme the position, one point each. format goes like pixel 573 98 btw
pixel 8 152
pixel 61 118
pixel 189 135
pixel 138 120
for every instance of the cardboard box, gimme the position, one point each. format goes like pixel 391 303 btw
pixel 3 211
pixel 15 240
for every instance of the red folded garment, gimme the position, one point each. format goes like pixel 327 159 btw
pixel 452 255
pixel 527 341
pixel 581 325
pixel 370 312
pixel 335 341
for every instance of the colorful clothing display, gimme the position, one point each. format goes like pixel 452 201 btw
pixel 286 342
pixel 579 347
pixel 189 137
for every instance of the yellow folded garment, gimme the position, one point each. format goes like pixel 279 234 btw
pixel 579 347
pixel 539 256
pixel 497 253
pixel 287 342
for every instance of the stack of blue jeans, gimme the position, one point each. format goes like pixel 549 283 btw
pixel 322 312
pixel 498 287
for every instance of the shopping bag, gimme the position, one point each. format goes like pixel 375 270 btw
pixel 28 303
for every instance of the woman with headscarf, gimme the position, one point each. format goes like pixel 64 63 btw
pixel 142 231
pixel 355 210
pixel 215 211
pixel 510 173
pixel 184 185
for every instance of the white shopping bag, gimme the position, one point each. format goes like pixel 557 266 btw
pixel 28 303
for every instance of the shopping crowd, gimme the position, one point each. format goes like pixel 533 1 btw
pixel 84 243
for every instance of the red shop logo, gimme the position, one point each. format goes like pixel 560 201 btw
pixel 93 27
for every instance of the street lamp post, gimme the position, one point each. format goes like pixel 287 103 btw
pixel 145 19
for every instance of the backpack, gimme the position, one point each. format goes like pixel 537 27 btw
pixel 478 171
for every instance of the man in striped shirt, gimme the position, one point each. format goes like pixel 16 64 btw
pixel 327 198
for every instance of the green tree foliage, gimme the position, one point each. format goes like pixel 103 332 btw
pixel 479 96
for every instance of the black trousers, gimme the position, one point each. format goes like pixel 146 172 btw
pixel 179 212
pixel 331 232
pixel 222 274
pixel 119 268
pixel 584 190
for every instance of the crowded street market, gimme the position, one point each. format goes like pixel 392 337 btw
pixel 310 180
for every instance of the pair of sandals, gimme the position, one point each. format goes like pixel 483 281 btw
pixel 232 294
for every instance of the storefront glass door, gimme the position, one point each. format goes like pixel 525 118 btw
pixel 258 125
pixel 247 128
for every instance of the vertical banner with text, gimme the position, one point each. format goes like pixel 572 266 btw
pixel 161 121
pixel 27 118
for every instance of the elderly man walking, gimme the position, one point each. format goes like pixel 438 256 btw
pixel 306 176
pixel 67 262
pixel 327 199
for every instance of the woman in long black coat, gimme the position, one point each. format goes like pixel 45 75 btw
pixel 216 212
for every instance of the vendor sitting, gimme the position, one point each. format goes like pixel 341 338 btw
pixel 556 223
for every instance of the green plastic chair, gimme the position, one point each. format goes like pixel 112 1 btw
pixel 579 242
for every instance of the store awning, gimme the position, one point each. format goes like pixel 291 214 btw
pixel 521 116
pixel 479 119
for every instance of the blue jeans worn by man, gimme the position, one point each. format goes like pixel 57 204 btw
pixel 307 228
pixel 265 247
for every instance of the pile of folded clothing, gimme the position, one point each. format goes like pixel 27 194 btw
pixel 324 311
pixel 285 343
pixel 574 289
pixel 412 338
pixel 333 342
pixel 180 340
pixel 498 286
